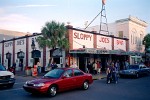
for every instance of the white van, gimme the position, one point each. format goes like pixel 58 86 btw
pixel 7 78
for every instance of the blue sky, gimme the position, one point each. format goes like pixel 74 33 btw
pixel 31 15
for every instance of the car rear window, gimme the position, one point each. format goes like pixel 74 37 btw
pixel 2 68
pixel 133 67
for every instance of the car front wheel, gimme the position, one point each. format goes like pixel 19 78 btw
pixel 52 91
pixel 85 85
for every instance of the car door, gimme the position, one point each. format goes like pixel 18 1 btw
pixel 67 81
pixel 144 69
pixel 79 77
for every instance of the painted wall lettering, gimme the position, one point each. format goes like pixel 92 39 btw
pixel 119 42
pixel 104 40
pixel 82 36
pixel 9 44
pixel 20 42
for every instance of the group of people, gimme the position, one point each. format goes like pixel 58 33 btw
pixel 93 68
pixel 52 66
pixel 112 71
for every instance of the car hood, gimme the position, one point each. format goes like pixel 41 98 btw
pixel 5 73
pixel 129 70
pixel 42 80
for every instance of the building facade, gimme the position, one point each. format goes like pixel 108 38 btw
pixel 84 46
pixel 132 28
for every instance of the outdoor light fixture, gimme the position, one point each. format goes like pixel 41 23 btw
pixel 33 44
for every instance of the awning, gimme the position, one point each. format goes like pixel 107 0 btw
pixel 104 51
pixel 90 51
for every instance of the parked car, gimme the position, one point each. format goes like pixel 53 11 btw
pixel 135 70
pixel 7 78
pixel 58 80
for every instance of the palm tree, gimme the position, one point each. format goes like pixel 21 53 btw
pixel 53 36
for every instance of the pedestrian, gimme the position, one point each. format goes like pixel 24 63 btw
pixel 89 67
pixel 114 73
pixel 14 68
pixel 52 66
pixel 55 65
pixel 66 65
pixel 20 66
pixel 34 71
pixel 126 64
pixel 74 65
pixel 108 73
pixel 38 67
pixel 94 68
pixel 98 67
pixel 117 66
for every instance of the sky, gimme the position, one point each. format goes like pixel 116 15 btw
pixel 31 15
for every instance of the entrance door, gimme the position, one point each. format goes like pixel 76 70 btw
pixel 9 63
pixel 21 60
pixel 82 63
pixel 36 60
pixel 103 63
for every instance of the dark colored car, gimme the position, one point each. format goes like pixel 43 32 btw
pixel 7 78
pixel 135 70
pixel 59 79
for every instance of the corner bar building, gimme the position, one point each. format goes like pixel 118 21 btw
pixel 84 46
pixel 88 46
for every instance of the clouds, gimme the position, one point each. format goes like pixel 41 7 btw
pixel 19 22
pixel 1 11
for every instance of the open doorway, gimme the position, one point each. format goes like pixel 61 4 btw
pixel 82 63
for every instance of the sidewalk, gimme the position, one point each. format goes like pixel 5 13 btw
pixel 95 77
pixel 99 76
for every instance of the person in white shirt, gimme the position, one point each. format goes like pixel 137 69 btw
pixel 74 65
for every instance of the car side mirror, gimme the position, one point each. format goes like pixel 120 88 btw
pixel 63 77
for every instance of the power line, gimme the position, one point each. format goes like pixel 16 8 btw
pixel 92 20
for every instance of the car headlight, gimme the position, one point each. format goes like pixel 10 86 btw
pixel 26 82
pixel 39 85
pixel 133 72
pixel 12 76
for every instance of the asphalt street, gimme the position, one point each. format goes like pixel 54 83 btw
pixel 126 89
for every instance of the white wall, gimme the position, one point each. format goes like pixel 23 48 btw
pixel 20 45
pixel 103 41
pixel 8 47
pixel 119 44
pixel 82 38
pixel 30 63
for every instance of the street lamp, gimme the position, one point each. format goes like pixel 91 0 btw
pixel 33 44
pixel 33 48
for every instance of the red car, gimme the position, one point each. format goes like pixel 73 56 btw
pixel 59 79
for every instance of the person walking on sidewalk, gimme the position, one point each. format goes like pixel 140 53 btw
pixel 98 67
pixel 39 67
pixel 89 67
pixel 108 73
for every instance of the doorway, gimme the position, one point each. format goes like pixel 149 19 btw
pixel 82 63
pixel 9 63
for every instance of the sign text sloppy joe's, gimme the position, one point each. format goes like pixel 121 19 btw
pixel 82 36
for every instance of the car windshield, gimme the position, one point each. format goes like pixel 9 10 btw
pixel 2 68
pixel 55 73
pixel 133 67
